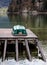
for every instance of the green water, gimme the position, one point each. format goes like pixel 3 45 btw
pixel 36 23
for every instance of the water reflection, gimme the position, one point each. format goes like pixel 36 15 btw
pixel 29 21
pixel 37 23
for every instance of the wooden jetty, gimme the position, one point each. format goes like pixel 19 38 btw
pixel 6 34
pixel 44 48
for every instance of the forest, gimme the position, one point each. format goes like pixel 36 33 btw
pixel 30 5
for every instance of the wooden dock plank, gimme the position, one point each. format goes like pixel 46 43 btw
pixel 44 48
pixel 27 48
pixel 16 47
pixel 41 50
pixel 4 53
pixel 7 33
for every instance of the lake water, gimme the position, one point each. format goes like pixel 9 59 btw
pixel 36 23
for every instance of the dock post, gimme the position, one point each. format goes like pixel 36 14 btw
pixel 16 47
pixel 40 49
pixel 27 48
pixel 4 52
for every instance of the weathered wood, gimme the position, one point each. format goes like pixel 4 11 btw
pixel 4 52
pixel 7 33
pixel 40 49
pixel 27 48
pixel 16 47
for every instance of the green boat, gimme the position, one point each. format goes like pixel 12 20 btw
pixel 19 30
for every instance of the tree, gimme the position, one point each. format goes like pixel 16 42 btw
pixel 45 4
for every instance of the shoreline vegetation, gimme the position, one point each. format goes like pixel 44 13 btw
pixel 3 11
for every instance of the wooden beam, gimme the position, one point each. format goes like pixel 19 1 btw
pixel 27 48
pixel 40 49
pixel 4 52
pixel 16 47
